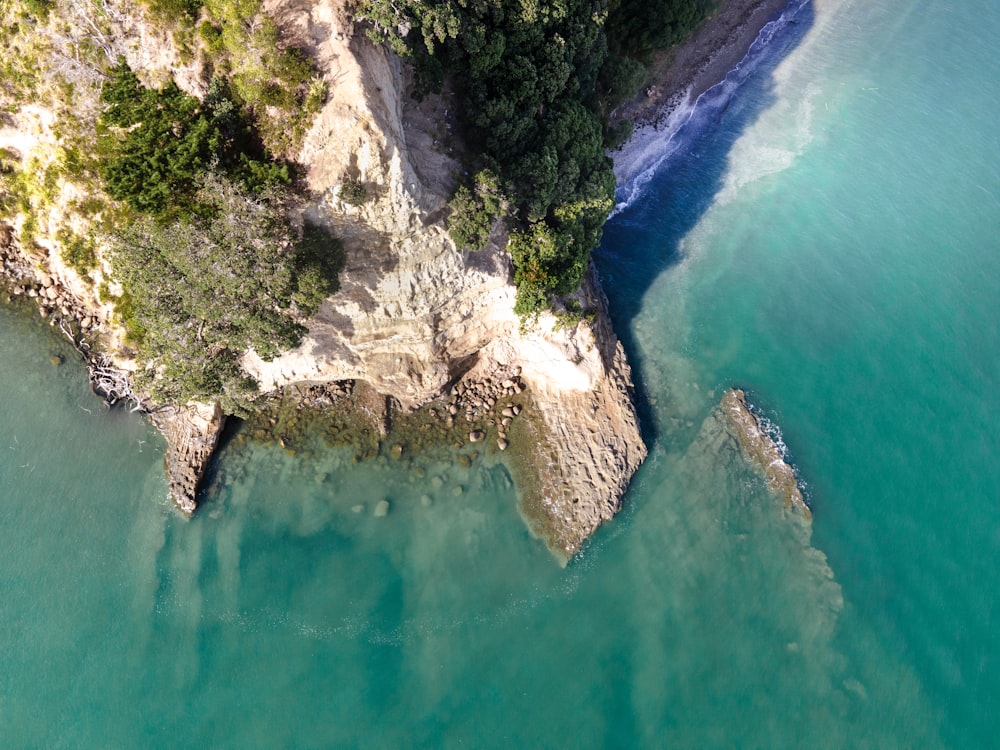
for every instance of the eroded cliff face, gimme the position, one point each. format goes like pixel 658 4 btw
pixel 410 305
pixel 414 315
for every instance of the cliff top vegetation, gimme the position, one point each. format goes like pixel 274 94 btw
pixel 187 221
pixel 535 81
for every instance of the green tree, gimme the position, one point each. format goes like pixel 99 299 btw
pixel 154 144
pixel 640 27
pixel 535 79
pixel 201 290
pixel 526 73
pixel 475 211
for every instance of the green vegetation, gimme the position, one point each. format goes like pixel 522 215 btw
pixel 39 8
pixel 30 191
pixel 620 79
pixel 277 84
pixel 166 11
pixel 21 49
pixel 573 315
pixel 78 252
pixel 201 290
pixel 475 210
pixel 353 191
pixel 536 79
pixel 204 260
pixel 209 264
pixel 640 27
pixel 155 143
pixel 526 74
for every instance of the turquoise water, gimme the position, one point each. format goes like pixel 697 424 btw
pixel 826 241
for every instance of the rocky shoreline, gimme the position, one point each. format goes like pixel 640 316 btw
pixel 572 451
pixel 56 303
pixel 66 311
pixel 420 347
pixel 763 451
pixel 192 431
pixel 683 73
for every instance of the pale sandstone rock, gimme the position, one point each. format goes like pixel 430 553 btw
pixel 413 312
pixel 192 433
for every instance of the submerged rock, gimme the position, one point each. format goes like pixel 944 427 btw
pixel 762 450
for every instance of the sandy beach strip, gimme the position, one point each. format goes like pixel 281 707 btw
pixel 679 75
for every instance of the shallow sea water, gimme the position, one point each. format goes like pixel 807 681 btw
pixel 825 239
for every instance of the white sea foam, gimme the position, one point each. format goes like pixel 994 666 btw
pixel 652 146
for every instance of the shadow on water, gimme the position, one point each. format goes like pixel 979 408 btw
pixel 643 241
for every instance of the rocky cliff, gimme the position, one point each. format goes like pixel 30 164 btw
pixel 415 316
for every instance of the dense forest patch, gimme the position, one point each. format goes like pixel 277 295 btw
pixel 535 79
pixel 209 264
pixel 154 144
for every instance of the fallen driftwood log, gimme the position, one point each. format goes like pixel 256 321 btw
pixel 110 383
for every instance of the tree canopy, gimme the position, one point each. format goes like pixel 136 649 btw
pixel 534 78
pixel 526 73
pixel 155 143
pixel 640 27
pixel 210 265
pixel 201 290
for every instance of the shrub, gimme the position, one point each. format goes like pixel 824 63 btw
pixel 173 10
pixel 474 211
pixel 616 135
pixel 319 260
pixel 79 253
pixel 353 191
pixel 272 80
pixel 211 35
pixel 202 289
pixel 39 8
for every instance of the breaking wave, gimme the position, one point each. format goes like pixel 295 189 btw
pixel 652 146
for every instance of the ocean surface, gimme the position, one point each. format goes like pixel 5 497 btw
pixel 825 234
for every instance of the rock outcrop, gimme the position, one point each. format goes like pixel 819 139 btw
pixel 415 316
pixel 192 433
pixel 762 450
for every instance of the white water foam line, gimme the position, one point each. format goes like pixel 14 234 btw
pixel 651 146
